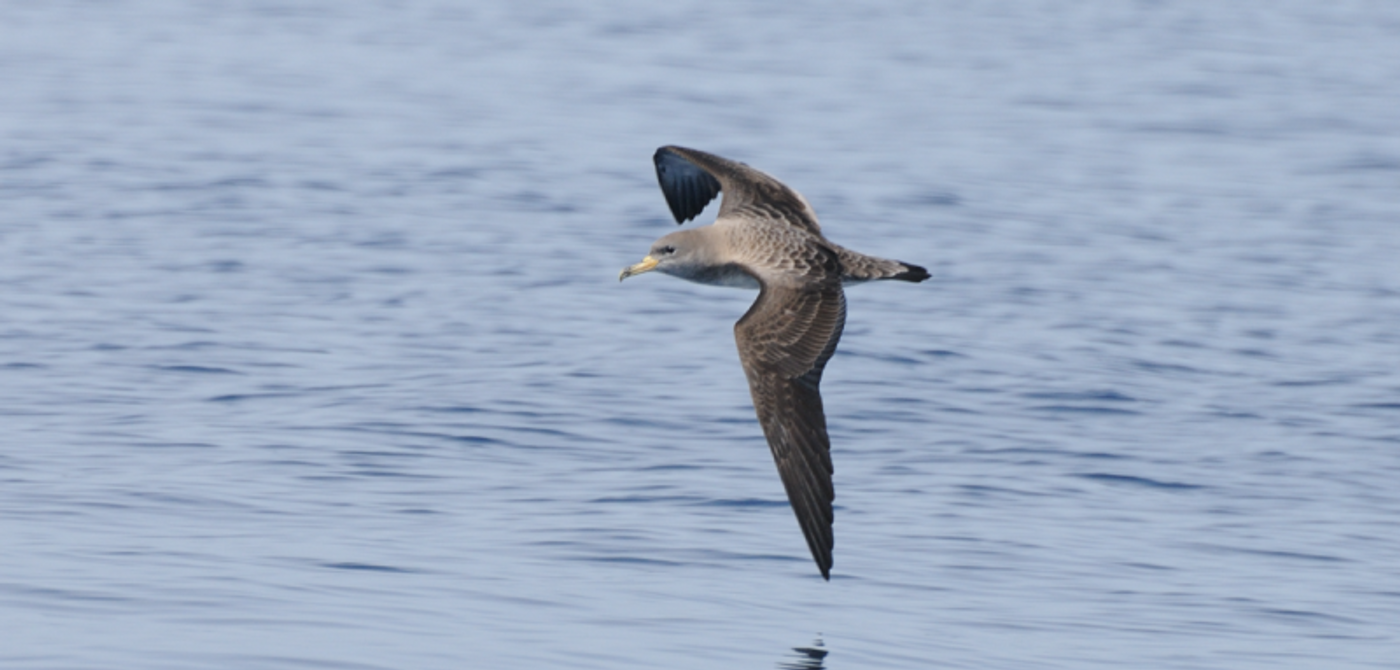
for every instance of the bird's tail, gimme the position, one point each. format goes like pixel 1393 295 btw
pixel 857 268
pixel 911 273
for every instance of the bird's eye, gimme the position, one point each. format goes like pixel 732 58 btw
pixel 668 249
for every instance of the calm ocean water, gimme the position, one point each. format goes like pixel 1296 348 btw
pixel 313 355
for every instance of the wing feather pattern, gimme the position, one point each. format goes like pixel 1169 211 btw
pixel 785 341
pixel 690 179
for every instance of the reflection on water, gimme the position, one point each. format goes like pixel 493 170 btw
pixel 808 658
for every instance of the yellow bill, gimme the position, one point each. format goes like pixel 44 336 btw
pixel 647 265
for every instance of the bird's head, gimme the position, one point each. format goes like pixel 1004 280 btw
pixel 673 254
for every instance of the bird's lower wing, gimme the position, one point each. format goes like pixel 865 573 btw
pixel 784 341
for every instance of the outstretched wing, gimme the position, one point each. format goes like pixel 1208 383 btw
pixel 785 340
pixel 690 179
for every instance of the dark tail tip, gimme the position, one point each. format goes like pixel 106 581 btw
pixel 912 273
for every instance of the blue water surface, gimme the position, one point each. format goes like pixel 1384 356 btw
pixel 313 355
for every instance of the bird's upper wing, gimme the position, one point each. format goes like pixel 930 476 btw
pixel 784 341
pixel 690 179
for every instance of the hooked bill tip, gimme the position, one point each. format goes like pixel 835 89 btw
pixel 646 265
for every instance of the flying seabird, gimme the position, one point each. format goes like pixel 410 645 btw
pixel 766 237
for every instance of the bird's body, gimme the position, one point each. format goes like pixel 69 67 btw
pixel 767 237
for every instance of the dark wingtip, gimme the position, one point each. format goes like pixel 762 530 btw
pixel 912 273
pixel 688 187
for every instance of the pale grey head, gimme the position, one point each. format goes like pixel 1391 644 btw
pixel 693 255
